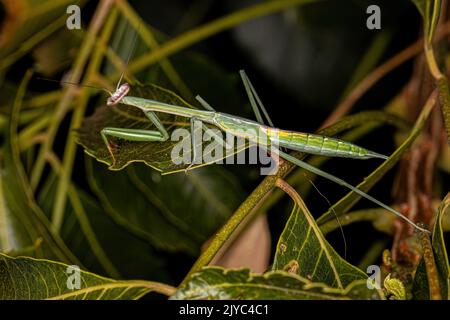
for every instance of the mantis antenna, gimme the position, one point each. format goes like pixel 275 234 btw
pixel 130 54
pixel 75 84
pixel 121 89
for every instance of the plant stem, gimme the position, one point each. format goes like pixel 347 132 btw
pixel 27 134
pixel 62 107
pixel 85 224
pixel 431 60
pixel 255 198
pixel 69 152
pixel 30 43
pixel 263 191
pixel 430 266
pixel 371 215
pixel 442 84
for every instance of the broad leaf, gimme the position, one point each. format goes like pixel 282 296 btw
pixel 219 283
pixel 175 212
pixel 157 155
pixel 25 278
pixel 302 249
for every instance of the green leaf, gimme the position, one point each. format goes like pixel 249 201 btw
pixel 154 154
pixel 22 222
pixel 303 245
pixel 351 198
pixel 219 283
pixel 26 278
pixel 176 212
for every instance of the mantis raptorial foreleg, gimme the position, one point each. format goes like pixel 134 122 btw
pixel 136 134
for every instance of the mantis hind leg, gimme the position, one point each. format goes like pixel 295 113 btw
pixel 341 182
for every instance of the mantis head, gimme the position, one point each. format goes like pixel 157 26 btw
pixel 118 95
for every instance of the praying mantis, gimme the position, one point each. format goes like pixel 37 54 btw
pixel 234 125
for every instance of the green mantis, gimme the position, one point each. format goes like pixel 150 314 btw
pixel 303 142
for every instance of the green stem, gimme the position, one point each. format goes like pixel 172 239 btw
pixel 442 84
pixel 363 122
pixel 255 198
pixel 27 251
pixel 36 218
pixel 66 99
pixel 431 61
pixel 85 224
pixel 372 254
pixel 27 134
pixel 371 215
pixel 262 192
pixel 30 43
pixel 43 99
pixel 50 6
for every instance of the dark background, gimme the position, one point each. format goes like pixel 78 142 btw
pixel 300 62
